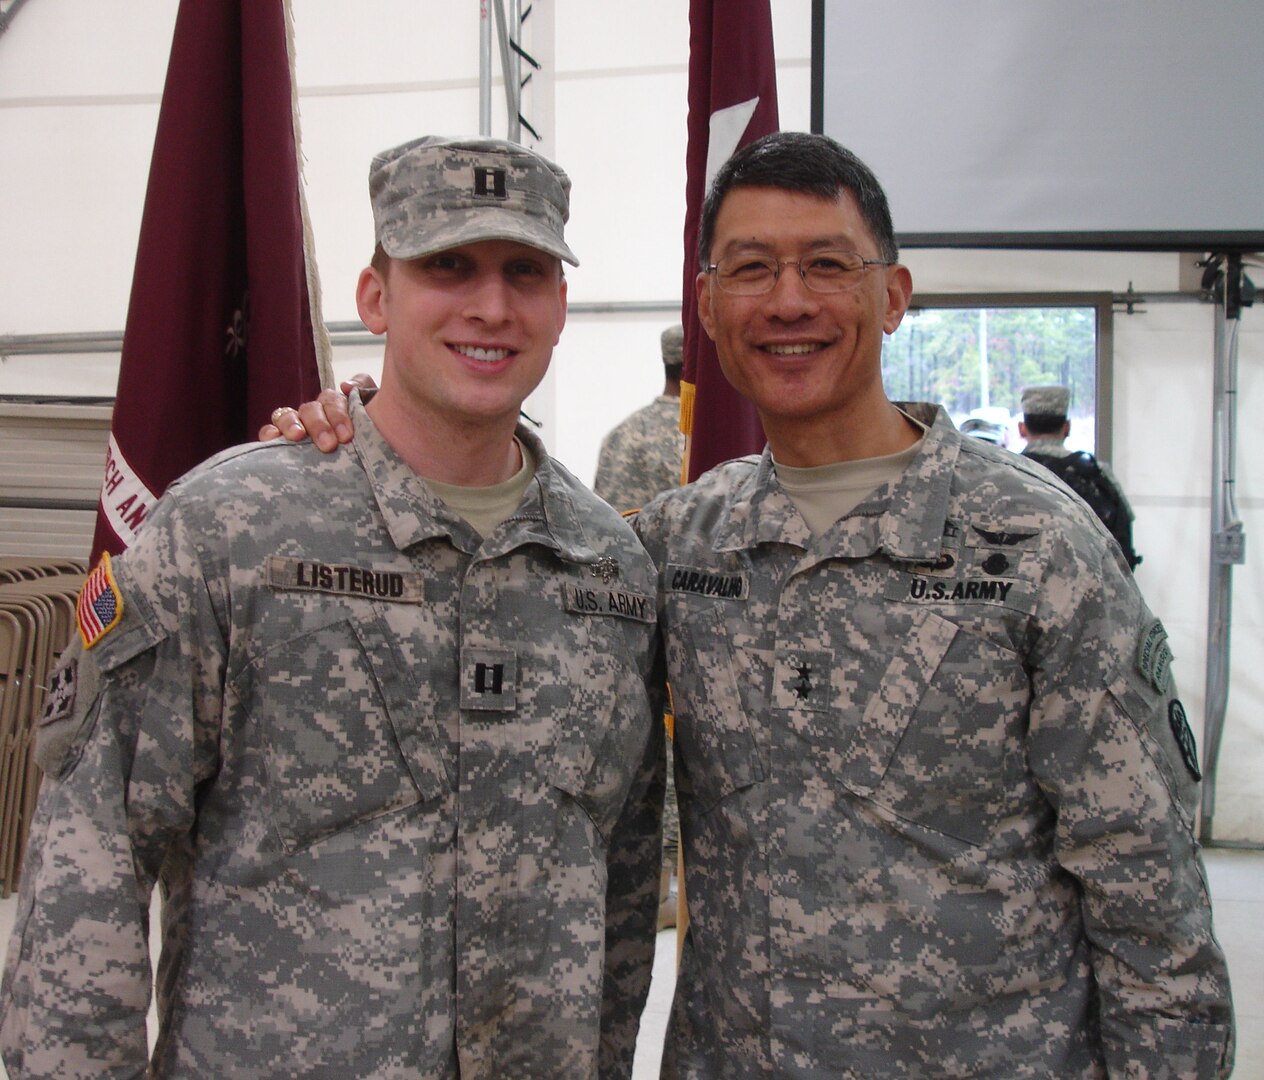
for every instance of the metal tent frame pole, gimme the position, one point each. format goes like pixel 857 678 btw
pixel 1228 540
pixel 508 31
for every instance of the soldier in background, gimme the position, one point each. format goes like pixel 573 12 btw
pixel 640 458
pixel 377 761
pixel 1045 427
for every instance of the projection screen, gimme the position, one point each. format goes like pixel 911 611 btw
pixel 1126 124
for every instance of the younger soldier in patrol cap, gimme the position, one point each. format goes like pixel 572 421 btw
pixel 378 762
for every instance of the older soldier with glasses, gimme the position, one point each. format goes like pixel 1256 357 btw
pixel 379 761
pixel 936 788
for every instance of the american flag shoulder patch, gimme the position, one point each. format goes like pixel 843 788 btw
pixel 100 604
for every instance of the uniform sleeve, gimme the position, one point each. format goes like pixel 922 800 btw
pixel 634 859
pixel 1111 746
pixel 122 762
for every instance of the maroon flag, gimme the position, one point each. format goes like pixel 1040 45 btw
pixel 224 319
pixel 732 101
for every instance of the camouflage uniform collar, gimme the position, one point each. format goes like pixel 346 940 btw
pixel 548 514
pixel 915 512
pixel 906 521
pixel 413 513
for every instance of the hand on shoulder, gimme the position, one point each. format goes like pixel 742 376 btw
pixel 326 421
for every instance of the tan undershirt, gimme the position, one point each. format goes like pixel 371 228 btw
pixel 824 493
pixel 487 507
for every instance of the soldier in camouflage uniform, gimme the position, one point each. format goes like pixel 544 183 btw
pixel 936 788
pixel 641 457
pixel 1045 426
pixel 392 769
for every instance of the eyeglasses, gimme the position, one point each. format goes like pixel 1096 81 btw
pixel 822 272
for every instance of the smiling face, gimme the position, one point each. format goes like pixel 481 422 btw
pixel 469 331
pixel 811 362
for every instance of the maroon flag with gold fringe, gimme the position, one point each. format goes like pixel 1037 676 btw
pixel 224 319
pixel 732 101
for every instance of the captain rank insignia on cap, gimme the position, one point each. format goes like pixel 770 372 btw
pixel 489 182
pixel 100 604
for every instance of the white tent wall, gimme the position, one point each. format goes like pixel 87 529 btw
pixel 80 85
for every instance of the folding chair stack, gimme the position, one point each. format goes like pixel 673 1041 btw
pixel 37 620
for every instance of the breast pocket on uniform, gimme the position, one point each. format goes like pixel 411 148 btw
pixel 605 722
pixel 334 715
pixel 950 711
pixel 715 744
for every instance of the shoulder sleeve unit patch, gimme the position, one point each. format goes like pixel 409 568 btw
pixel 100 604
pixel 60 701
pixel 1154 657
pixel 1184 737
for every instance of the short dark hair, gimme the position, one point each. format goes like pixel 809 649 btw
pixel 673 372
pixel 1043 423
pixel 803 162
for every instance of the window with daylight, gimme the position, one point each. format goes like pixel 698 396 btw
pixel 974 354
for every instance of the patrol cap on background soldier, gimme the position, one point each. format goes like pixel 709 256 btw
pixel 987 430
pixel 1046 427
pixel 672 344
pixel 1045 407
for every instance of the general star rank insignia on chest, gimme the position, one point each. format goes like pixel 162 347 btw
pixel 802 679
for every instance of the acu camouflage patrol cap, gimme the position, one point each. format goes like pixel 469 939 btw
pixel 672 343
pixel 1050 400
pixel 436 193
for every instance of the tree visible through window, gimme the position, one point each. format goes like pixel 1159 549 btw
pixel 975 361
